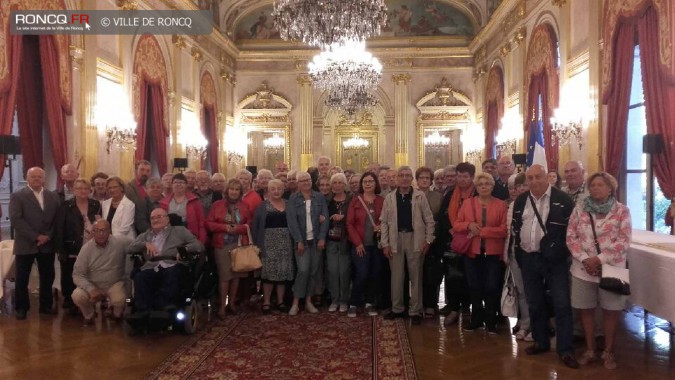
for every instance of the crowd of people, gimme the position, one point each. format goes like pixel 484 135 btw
pixel 377 242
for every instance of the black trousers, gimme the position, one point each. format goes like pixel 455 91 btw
pixel 456 286
pixel 432 278
pixel 24 264
pixel 67 285
pixel 156 289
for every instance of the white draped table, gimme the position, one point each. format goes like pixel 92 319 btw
pixel 651 259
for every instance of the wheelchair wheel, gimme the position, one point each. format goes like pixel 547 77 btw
pixel 191 318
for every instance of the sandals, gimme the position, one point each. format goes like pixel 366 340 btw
pixel 282 307
pixel 266 309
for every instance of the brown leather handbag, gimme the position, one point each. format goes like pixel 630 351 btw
pixel 245 258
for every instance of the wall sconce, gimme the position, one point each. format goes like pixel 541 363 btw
pixel 563 130
pixel 574 113
pixel 435 142
pixel 473 141
pixel 236 145
pixel 191 136
pixel 508 136
pixel 119 127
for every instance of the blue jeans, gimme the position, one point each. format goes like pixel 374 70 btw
pixel 308 270
pixel 538 273
pixel 367 270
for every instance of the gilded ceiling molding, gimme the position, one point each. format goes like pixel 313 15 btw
pixel 542 55
pixel 149 65
pixel 559 3
pixel 617 10
pixel 265 98
pixel 127 5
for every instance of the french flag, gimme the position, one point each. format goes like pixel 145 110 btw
pixel 536 155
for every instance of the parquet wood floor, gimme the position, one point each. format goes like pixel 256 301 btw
pixel 46 347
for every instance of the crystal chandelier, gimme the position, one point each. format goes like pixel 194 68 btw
pixel 436 142
pixel 274 143
pixel 120 131
pixel 356 143
pixel 349 73
pixel 322 23
pixel 191 136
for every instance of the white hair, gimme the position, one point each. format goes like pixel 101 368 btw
pixel 245 172
pixel 339 177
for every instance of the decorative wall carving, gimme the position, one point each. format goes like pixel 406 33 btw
pixel 207 89
pixel 615 10
pixel 149 65
pixel 542 55
pixel 495 88
pixel 62 44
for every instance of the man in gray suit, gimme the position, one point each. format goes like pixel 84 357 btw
pixel 32 211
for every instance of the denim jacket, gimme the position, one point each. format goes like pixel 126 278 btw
pixel 297 217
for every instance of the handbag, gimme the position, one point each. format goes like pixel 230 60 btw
pixel 245 258
pixel 613 279
pixel 509 304
pixel 461 241
pixel 377 237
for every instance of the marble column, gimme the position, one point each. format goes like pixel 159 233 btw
pixel 306 121
pixel 401 96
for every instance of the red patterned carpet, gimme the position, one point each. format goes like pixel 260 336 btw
pixel 321 346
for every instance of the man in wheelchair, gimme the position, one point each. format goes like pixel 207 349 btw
pixel 162 275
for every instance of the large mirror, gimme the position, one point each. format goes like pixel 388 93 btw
pixel 267 144
pixel 443 115
pixel 356 142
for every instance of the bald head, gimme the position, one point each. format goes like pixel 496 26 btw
pixel 35 177
pixel 574 174
pixel 536 176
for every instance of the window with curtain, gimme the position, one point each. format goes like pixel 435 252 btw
pixel 635 167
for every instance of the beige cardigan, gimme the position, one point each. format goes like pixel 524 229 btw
pixel 423 221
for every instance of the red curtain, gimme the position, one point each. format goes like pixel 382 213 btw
pixel 8 89
pixel 618 97
pixel 152 125
pixel 29 103
pixel 211 134
pixel 660 112
pixel 539 86
pixel 492 128
pixel 56 116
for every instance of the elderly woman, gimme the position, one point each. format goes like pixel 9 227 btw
pixel 484 218
pixel 262 180
pixel 363 224
pixel 291 184
pixel 270 234
pixel 72 229
pixel 338 260
pixel 186 205
pixel 307 213
pixel 98 185
pixel 324 185
pixel 119 210
pixel 354 183
pixel 612 224
pixel 228 220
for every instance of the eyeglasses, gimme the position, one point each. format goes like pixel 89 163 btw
pixel 368 182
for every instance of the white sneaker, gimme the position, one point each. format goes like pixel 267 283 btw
pixel 333 307
pixel 352 312
pixel 370 310
pixel 309 307
pixel 521 334
pixel 343 308
pixel 294 310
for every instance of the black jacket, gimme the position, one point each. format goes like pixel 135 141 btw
pixel 70 225
pixel 553 244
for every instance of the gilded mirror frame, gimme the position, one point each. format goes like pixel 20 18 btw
pixel 364 128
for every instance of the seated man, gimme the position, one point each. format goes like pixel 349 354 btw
pixel 99 272
pixel 158 283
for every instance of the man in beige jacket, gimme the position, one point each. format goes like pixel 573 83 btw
pixel 407 233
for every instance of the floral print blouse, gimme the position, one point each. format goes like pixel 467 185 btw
pixel 614 236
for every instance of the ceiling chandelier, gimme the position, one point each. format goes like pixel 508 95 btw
pixel 322 23
pixel 349 73
pixel 436 142
pixel 355 143
pixel 275 142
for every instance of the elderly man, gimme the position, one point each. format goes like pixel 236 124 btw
pixel 450 173
pixel 205 192
pixel 323 164
pixel 32 212
pixel 167 180
pixel 135 189
pixel 575 182
pixel 99 272
pixel 280 167
pixel 392 178
pixel 383 180
pixel 373 167
pixel 490 166
pixel 291 184
pixel 69 174
pixel 539 228
pixel 407 233
pixel 158 282
pixel 191 176
pixel 145 206
pixel 439 181
pixel 99 186
pixel 505 168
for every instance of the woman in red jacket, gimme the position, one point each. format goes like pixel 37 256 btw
pixel 484 218
pixel 185 205
pixel 228 221
pixel 363 227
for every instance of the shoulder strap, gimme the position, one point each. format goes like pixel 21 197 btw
pixel 595 236
pixel 367 211
pixel 536 212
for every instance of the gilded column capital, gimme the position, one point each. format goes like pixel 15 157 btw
pixel 196 54
pixel 178 41
pixel 304 79
pixel 403 78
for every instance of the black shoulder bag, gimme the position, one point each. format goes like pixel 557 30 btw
pixel 613 279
